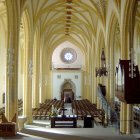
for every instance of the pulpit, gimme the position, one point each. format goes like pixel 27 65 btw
pixel 127 87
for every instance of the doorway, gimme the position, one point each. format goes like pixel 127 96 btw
pixel 67 95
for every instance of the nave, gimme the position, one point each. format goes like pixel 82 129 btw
pixel 66 48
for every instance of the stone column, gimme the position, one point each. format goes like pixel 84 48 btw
pixel 27 98
pixel 97 96
pixel 112 74
pixel 41 76
pixel 45 78
pixel 124 117
pixel 121 117
pixel 11 85
pixel 36 56
pixel 129 125
pixel 36 85
pixel 28 74
pixel 11 106
pixel 95 92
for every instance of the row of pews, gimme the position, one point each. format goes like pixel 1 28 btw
pixel 44 110
pixel 7 128
pixel 20 108
pixel 83 108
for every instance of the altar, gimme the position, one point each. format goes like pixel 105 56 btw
pixel 63 122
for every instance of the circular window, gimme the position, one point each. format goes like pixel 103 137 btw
pixel 68 55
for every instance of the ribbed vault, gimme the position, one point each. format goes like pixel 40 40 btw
pixel 74 20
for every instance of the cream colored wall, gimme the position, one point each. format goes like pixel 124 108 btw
pixel 57 83
pixel 137 43
pixel 56 59
pixel 2 63
pixel 2 68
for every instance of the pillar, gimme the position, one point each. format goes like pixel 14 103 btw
pixel 44 77
pixel 27 97
pixel 11 85
pixel 95 92
pixel 111 75
pixel 124 117
pixel 97 96
pixel 28 75
pixel 36 56
pixel 11 106
pixel 121 117
pixel 129 125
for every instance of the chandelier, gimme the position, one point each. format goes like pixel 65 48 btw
pixel 102 71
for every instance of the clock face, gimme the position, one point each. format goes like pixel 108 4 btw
pixel 68 55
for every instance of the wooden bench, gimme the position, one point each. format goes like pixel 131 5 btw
pixel 7 129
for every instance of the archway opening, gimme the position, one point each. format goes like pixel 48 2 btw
pixel 67 92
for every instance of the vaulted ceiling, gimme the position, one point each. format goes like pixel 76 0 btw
pixel 75 20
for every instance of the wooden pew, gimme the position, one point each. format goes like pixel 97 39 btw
pixel 7 129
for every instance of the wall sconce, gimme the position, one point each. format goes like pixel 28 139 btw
pixel 102 71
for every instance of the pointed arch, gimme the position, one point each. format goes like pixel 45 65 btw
pixel 67 89
pixel 127 25
pixel 114 51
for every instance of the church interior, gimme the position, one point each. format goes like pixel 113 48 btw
pixel 70 69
